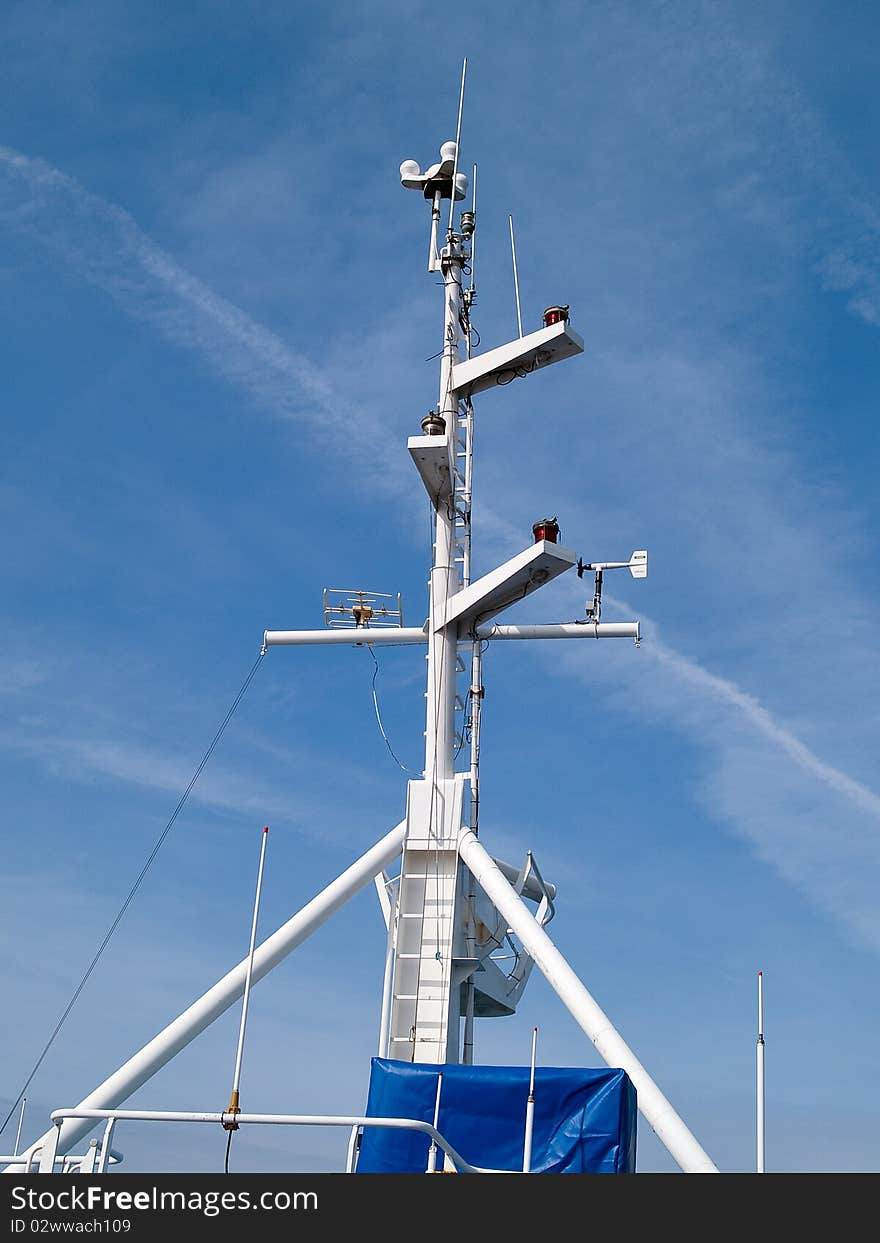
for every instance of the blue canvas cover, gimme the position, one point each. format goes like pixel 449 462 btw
pixel 584 1120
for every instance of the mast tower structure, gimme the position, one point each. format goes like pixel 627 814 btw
pixel 430 963
pixel 434 944
pixel 453 904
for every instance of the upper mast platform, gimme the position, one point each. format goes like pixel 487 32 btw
pixel 506 585
pixel 517 358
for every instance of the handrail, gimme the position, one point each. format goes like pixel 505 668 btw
pixel 242 1119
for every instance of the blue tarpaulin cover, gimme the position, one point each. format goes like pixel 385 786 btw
pixel 584 1120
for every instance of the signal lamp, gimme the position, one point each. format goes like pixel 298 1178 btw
pixel 548 529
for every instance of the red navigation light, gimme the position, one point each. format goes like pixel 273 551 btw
pixel 555 315
pixel 548 529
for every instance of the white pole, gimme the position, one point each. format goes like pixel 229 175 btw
pixel 442 643
pixel 653 1105
pixel 515 277
pixel 457 143
pixel 530 1110
pixel 20 1121
pixel 477 693
pixel 476 698
pixel 217 1000
pixel 385 1018
pixel 236 1075
pixel 760 1083
pixel 467 1044
pixel 432 1151
pixel 433 260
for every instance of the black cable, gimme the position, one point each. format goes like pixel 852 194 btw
pixel 135 886
pixel 461 737
pixel 418 776
pixel 228 1146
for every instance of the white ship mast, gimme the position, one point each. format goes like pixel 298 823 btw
pixel 452 906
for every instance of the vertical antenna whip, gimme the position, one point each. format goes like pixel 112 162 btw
pixel 236 1077
pixel 530 1110
pixel 457 142
pixel 432 1151
pixel 515 278
pixel 760 1069
pixel 18 1132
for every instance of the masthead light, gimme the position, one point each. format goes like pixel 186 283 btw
pixel 555 315
pixel 548 529
pixel 433 424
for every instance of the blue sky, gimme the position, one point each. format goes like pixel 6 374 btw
pixel 217 329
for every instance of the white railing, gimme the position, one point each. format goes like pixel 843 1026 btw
pixel 83 1163
pixel 49 1158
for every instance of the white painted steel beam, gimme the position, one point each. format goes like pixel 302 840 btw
pixel 433 459
pixel 517 358
pixel 653 1105
pixel 506 584
pixel 184 1029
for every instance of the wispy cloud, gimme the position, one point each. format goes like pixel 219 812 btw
pixel 709 685
pixel 855 270
pixel 807 819
pixel 156 770
pixel 106 246
pixel 20 675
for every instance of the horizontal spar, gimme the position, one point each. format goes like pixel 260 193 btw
pixel 563 630
pixel 409 634
pixel 359 634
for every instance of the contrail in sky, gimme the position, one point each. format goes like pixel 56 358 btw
pixel 105 245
